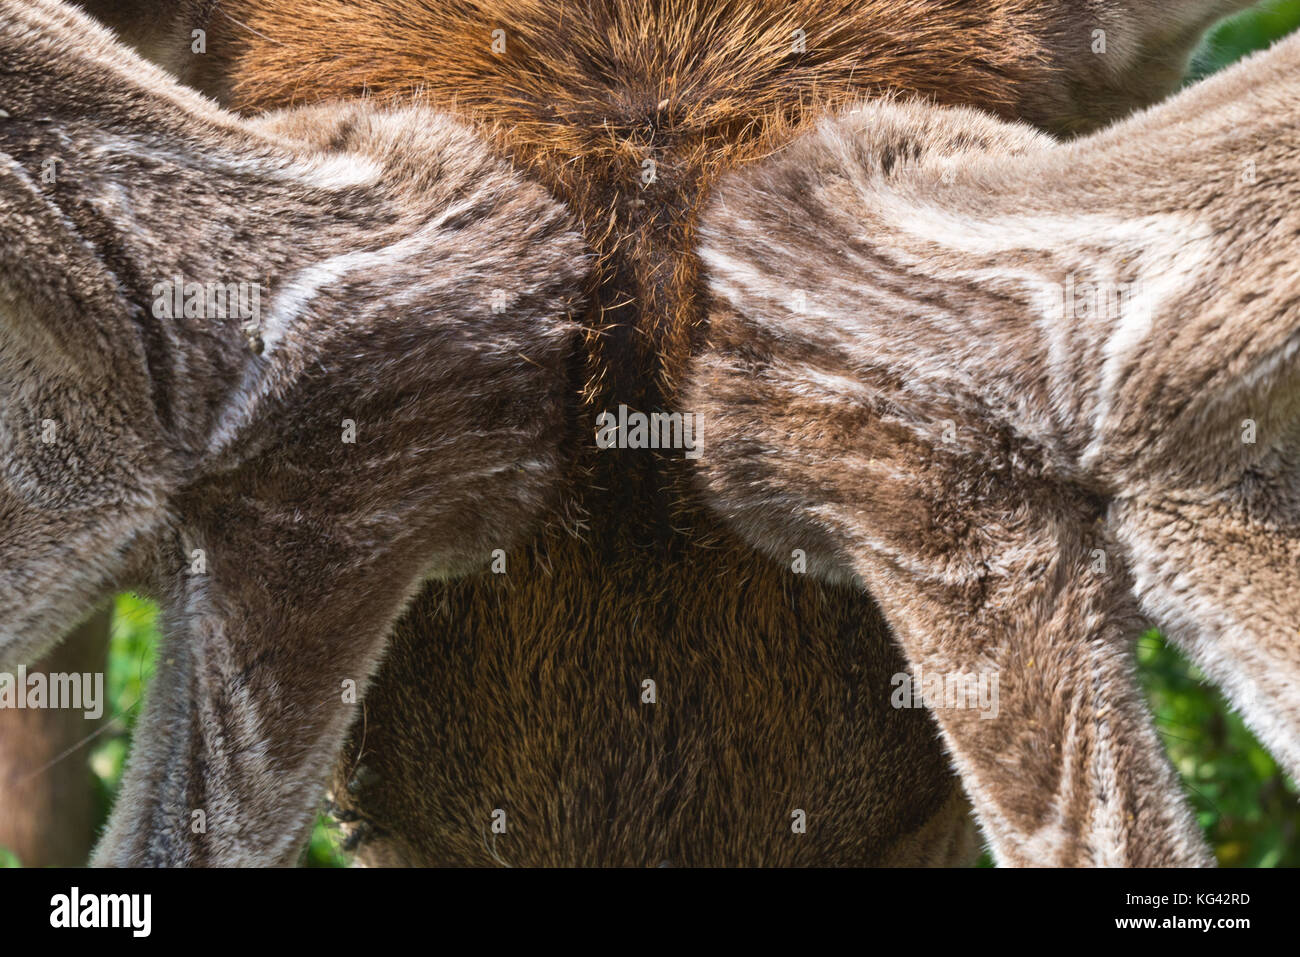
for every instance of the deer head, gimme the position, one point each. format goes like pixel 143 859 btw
pixel 278 371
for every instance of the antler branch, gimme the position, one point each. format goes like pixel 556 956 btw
pixel 989 375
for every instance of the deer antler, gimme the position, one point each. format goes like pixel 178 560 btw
pixel 1003 384
pixel 386 402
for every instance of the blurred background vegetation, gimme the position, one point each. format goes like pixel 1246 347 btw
pixel 1249 810
pixel 1252 30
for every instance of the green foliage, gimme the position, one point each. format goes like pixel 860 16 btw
pixel 326 846
pixel 133 646
pixel 1250 812
pixel 1253 30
